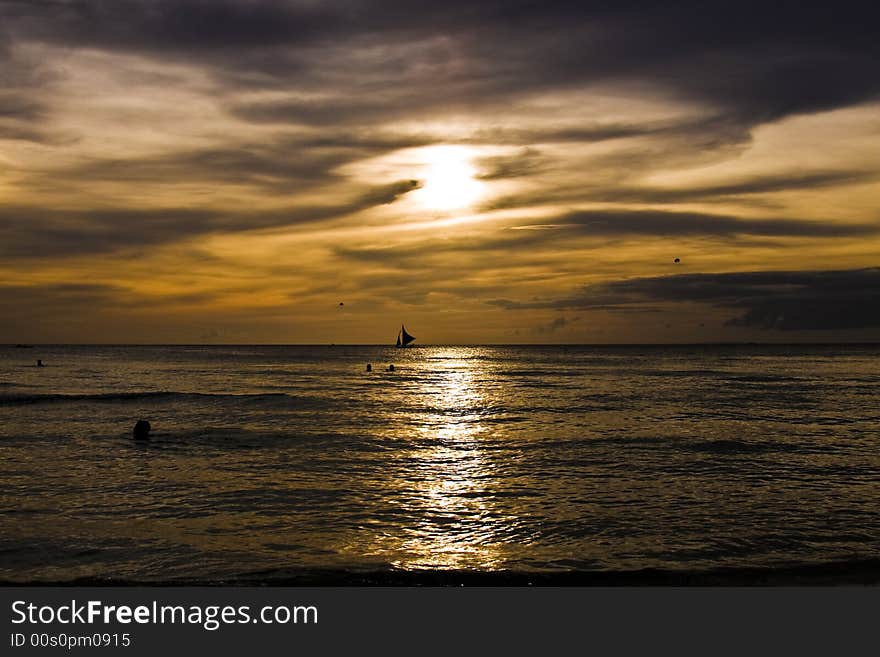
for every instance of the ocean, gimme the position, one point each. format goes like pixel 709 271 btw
pixel 273 463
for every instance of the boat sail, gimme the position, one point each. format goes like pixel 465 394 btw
pixel 403 338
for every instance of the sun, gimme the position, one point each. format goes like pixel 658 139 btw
pixel 448 179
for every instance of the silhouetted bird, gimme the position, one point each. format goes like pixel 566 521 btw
pixel 369 367
pixel 40 363
pixel 141 430
pixel 391 368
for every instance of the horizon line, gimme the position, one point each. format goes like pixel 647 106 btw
pixel 20 345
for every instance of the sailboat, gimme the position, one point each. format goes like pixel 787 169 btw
pixel 403 338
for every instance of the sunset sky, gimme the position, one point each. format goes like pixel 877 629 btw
pixel 485 172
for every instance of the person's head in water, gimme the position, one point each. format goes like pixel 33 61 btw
pixel 141 430
pixel 40 363
pixel 369 367
pixel 391 368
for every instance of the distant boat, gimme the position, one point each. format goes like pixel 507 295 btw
pixel 403 338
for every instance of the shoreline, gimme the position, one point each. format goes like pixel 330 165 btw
pixel 861 573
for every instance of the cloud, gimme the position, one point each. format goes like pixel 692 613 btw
pixel 89 312
pixel 525 239
pixel 525 163
pixel 674 224
pixel 282 165
pixel 82 297
pixel 269 168
pixel 784 301
pixel 42 233
pixel 39 232
pixel 44 304
pixel 552 326
pixel 166 24
pixel 621 192
pixel 22 106
pixel 358 67
pixel 16 107
pixel 387 194
pixel 753 61
pixel 764 184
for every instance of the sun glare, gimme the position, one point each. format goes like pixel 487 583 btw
pixel 449 181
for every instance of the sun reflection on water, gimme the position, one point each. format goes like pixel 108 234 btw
pixel 451 480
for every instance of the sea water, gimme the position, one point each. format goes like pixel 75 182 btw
pixel 269 461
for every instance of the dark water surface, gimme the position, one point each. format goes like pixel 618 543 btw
pixel 267 462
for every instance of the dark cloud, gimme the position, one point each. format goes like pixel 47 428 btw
pixel 66 293
pixel 387 194
pixel 46 303
pixel 756 185
pixel 552 326
pixel 622 192
pixel 785 301
pixel 19 132
pixel 41 233
pixel 40 310
pixel 181 25
pixel 674 224
pixel 753 61
pixel 588 132
pixel 22 107
pixel 528 239
pixel 281 165
pixel 270 168
pixel 346 111
pixel 524 163
pixel 17 107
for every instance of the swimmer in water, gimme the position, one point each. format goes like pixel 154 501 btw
pixel 141 430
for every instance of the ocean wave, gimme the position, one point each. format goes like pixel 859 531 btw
pixel 769 378
pixel 560 572
pixel 15 399
pixel 220 438
pixel 684 443
pixel 730 446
